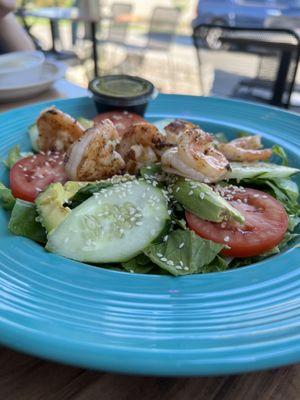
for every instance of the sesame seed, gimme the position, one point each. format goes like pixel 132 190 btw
pixel 164 259
pixel 159 255
pixel 186 268
pixel 256 195
pixel 226 239
pixel 177 189
pixel 202 195
pixel 181 245
pixel 264 196
pixel 139 223
pixel 166 238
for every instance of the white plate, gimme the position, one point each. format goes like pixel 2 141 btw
pixel 51 72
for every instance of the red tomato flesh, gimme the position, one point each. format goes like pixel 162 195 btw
pixel 266 222
pixel 31 175
pixel 121 119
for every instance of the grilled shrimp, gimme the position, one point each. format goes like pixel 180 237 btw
pixel 57 130
pixel 140 145
pixel 196 157
pixel 172 164
pixel 175 129
pixel 248 148
pixel 93 156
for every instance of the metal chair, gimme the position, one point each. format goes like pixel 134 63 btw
pixel 275 55
pixel 159 38
pixel 118 28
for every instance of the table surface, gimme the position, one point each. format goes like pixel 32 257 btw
pixel 266 40
pixel 24 377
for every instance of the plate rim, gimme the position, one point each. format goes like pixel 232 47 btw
pixel 179 370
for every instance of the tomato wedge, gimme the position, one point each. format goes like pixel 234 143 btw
pixel 121 119
pixel 266 222
pixel 31 175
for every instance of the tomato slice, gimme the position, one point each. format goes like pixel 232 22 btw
pixel 266 222
pixel 31 175
pixel 121 119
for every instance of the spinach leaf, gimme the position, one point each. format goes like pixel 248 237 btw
pixel 7 200
pixel 23 222
pixel 184 253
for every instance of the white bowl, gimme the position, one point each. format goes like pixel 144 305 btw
pixel 20 67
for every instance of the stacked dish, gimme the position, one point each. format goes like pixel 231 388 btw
pixel 26 73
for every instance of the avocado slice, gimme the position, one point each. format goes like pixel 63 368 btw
pixel 50 204
pixel 201 200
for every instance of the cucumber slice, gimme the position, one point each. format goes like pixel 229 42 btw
pixel 113 225
pixel 85 123
pixel 33 135
pixel 260 170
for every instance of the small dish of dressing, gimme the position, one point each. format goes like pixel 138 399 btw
pixel 122 92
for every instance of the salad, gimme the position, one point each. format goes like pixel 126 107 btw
pixel 163 198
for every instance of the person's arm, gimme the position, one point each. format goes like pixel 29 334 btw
pixel 12 35
pixel 6 6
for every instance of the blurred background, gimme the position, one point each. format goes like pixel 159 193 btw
pixel 169 43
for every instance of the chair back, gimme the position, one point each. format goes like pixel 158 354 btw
pixel 118 29
pixel 162 29
pixel 251 58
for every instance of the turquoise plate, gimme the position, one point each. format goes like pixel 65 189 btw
pixel 236 321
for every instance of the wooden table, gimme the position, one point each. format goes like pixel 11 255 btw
pixel 72 14
pixel 24 377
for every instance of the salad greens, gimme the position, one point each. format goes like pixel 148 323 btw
pixel 15 155
pixel 137 223
pixel 183 253
pixel 24 222
pixel 7 200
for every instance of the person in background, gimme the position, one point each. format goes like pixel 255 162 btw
pixel 12 35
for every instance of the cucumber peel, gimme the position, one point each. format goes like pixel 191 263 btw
pixel 114 225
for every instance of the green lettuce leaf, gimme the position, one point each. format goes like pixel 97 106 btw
pixel 279 152
pixel 15 155
pixel 23 222
pixel 7 200
pixel 141 264
pixel 87 191
pixel 217 265
pixel 184 253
